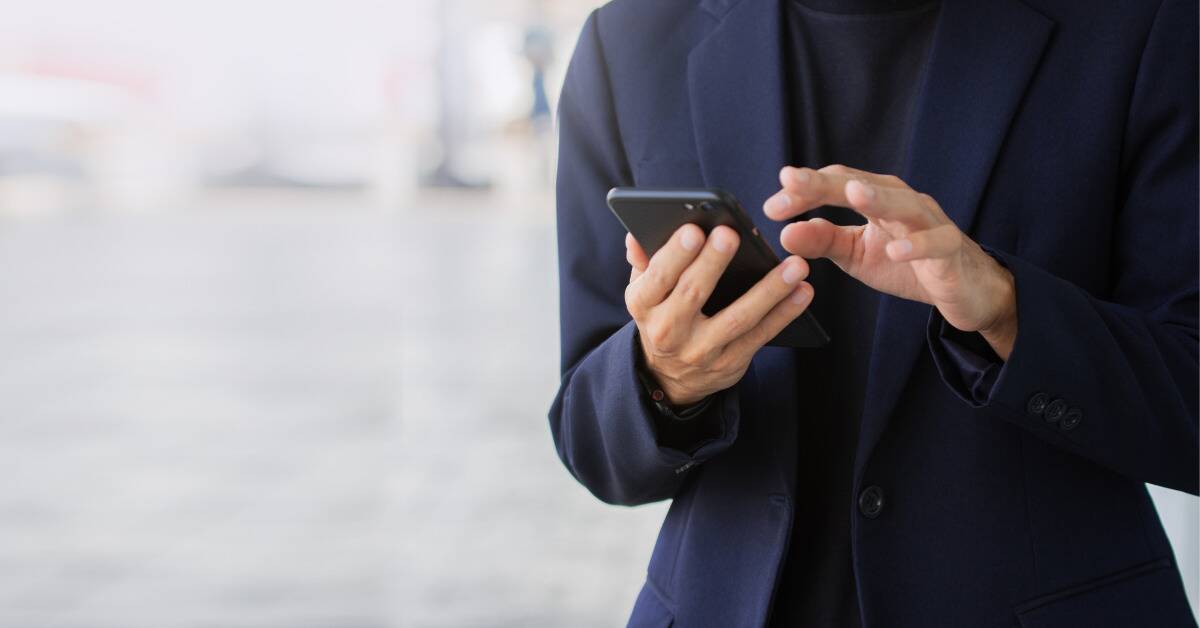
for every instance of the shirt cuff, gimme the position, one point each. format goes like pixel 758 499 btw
pixel 965 360
pixel 684 428
pixel 663 406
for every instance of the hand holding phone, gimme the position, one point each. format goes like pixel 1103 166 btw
pixel 693 353
pixel 690 354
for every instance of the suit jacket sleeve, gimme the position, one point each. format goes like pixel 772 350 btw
pixel 603 426
pixel 1124 366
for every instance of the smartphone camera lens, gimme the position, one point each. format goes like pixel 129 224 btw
pixel 706 207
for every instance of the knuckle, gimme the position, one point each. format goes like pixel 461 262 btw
pixel 735 362
pixel 954 237
pixel 735 323
pixel 655 275
pixel 632 304
pixel 689 292
pixel 658 335
pixel 892 179
pixel 652 275
pixel 726 362
pixel 694 356
pixel 836 169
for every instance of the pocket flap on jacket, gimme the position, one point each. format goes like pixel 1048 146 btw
pixel 1150 594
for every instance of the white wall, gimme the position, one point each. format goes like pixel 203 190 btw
pixel 1180 514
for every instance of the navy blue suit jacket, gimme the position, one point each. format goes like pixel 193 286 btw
pixel 1061 135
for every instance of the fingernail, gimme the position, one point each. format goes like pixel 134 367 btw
pixel 801 176
pixel 792 273
pixel 777 204
pixel 900 247
pixel 689 240
pixel 801 296
pixel 722 242
pixel 868 190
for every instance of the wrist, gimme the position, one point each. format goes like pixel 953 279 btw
pixel 676 396
pixel 662 388
pixel 1001 332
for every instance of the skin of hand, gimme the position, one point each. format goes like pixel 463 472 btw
pixel 909 248
pixel 692 355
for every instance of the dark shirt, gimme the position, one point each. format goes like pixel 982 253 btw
pixel 855 70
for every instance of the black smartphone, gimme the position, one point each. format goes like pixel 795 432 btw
pixel 653 215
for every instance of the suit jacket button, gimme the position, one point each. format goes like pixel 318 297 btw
pixel 1055 410
pixel 1071 419
pixel 870 502
pixel 1037 403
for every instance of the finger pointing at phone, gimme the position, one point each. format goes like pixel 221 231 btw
pixel 909 247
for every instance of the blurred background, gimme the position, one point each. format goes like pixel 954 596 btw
pixel 243 249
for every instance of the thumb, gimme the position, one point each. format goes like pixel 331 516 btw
pixel 636 257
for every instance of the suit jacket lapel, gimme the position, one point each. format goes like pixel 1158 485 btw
pixel 983 56
pixel 736 91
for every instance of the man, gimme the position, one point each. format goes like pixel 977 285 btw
pixel 1007 264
